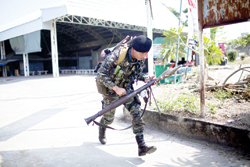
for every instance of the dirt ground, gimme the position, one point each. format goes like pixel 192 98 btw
pixel 233 111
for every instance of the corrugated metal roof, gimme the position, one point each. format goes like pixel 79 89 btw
pixel 33 14
pixel 21 11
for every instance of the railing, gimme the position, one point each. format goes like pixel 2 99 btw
pixel 79 71
pixel 39 72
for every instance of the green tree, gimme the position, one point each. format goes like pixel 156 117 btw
pixel 185 23
pixel 170 47
pixel 212 52
pixel 213 33
pixel 240 42
pixel 177 14
pixel 216 31
pixel 232 54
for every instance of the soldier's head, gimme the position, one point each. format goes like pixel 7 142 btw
pixel 140 47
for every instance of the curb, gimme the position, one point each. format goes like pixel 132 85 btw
pixel 198 129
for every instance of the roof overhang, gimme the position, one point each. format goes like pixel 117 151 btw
pixel 25 28
pixel 131 13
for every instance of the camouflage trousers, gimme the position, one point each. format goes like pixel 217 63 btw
pixel 134 109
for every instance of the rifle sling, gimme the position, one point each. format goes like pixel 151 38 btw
pixel 106 126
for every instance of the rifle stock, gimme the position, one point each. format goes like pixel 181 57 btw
pixel 167 73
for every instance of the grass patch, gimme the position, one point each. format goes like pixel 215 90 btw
pixel 222 94
pixel 212 108
pixel 183 101
pixel 246 60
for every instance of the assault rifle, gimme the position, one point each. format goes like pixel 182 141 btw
pixel 167 73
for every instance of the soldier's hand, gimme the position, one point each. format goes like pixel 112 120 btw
pixel 119 91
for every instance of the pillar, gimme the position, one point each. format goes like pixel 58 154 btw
pixel 54 50
pixel 3 57
pixel 26 67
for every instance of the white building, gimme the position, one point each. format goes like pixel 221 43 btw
pixel 49 35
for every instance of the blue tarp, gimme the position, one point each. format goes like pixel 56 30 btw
pixel 4 62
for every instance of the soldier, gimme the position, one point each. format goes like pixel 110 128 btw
pixel 115 79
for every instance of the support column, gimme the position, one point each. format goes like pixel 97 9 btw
pixel 26 67
pixel 150 35
pixel 77 60
pixel 3 57
pixel 54 50
pixel 201 58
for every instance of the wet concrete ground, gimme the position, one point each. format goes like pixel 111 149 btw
pixel 42 124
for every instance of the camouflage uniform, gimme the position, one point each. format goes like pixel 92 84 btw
pixel 122 76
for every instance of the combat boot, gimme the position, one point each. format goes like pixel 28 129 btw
pixel 102 134
pixel 143 149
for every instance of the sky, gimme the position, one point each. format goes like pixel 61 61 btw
pixel 235 30
pixel 232 31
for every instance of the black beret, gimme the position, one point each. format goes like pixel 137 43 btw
pixel 142 43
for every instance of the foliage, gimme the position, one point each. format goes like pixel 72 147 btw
pixel 240 42
pixel 240 62
pixel 212 52
pixel 214 32
pixel 231 55
pixel 184 102
pixel 190 102
pixel 177 14
pixel 222 94
pixel 212 108
pixel 242 57
pixel 185 23
pixel 170 47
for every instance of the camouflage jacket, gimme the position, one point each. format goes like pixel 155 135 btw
pixel 129 71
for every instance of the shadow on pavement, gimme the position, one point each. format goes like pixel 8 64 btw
pixel 85 155
pixel 21 125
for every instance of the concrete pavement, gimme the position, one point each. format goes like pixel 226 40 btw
pixel 42 124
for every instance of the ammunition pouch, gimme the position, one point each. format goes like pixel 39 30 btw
pixel 101 88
